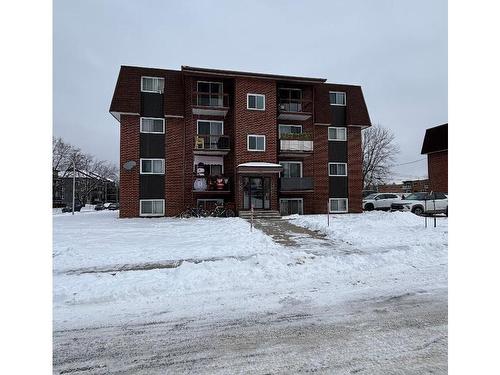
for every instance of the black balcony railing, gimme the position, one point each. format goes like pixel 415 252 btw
pixel 206 99
pixel 296 183
pixel 295 105
pixel 211 142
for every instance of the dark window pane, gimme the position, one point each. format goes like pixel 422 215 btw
pixel 252 143
pixel 203 87
pixel 147 166
pixel 251 101
pixel 203 127
pixel 147 207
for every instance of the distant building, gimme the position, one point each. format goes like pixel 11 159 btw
pixel 408 186
pixel 89 188
pixel 435 146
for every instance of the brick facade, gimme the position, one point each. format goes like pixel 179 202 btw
pixel 129 180
pixel 239 122
pixel 437 164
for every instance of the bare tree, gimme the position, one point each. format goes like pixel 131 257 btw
pixel 379 152
pixel 61 154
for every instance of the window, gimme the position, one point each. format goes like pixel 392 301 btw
pixel 256 143
pixel 209 204
pixel 337 169
pixel 210 94
pixel 152 84
pixel 338 205
pixel 152 207
pixel 337 134
pixel 210 127
pixel 291 206
pixel 213 170
pixel 290 99
pixel 290 129
pixel 152 166
pixel 256 101
pixel 337 98
pixel 291 169
pixel 152 125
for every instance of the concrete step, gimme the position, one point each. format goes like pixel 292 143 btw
pixel 259 214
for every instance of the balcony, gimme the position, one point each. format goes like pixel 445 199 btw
pixel 296 184
pixel 296 144
pixel 210 104
pixel 294 109
pixel 211 185
pixel 206 144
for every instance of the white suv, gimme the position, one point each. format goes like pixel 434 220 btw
pixel 380 201
pixel 423 204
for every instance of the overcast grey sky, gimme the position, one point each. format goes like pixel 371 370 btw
pixel 395 49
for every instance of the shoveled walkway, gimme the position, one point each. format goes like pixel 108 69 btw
pixel 284 232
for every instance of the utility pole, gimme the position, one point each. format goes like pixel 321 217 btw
pixel 74 183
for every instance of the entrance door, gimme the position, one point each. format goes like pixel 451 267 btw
pixel 256 193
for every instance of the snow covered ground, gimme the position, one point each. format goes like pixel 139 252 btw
pixel 124 272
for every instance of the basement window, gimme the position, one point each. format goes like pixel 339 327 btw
pixel 152 207
pixel 337 134
pixel 152 166
pixel 338 205
pixel 152 125
pixel 152 84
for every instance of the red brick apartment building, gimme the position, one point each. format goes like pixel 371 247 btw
pixel 195 136
pixel 435 146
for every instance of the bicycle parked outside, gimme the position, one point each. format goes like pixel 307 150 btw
pixel 221 211
pixel 194 212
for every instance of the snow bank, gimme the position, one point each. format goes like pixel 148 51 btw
pixel 229 270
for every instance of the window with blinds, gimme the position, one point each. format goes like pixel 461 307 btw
pixel 152 125
pixel 337 98
pixel 337 134
pixel 152 84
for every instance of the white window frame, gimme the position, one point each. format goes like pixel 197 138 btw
pixel 257 136
pixel 210 121
pixel 338 92
pixel 294 162
pixel 338 128
pixel 337 175
pixel 297 126
pixel 151 200
pixel 163 162
pixel 256 109
pixel 152 118
pixel 159 92
pixel 338 199
pixel 294 199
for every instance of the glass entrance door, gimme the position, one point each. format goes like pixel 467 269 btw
pixel 256 193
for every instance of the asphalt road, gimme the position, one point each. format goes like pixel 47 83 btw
pixel 402 334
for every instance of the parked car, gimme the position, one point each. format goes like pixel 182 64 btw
pixel 368 192
pixel 380 201
pixel 99 207
pixel 423 204
pixel 114 206
pixel 69 208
